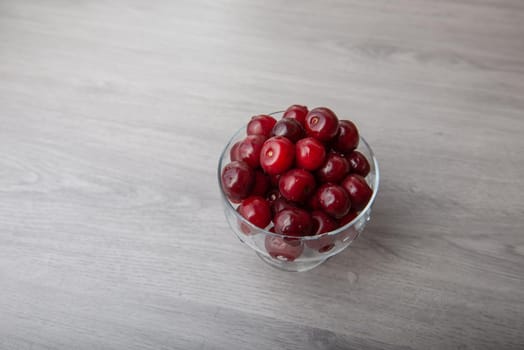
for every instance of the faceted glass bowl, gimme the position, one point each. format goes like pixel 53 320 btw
pixel 297 253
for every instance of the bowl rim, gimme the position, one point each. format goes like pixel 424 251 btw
pixel 301 238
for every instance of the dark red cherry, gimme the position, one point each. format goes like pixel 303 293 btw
pixel 261 125
pixel 322 124
pixel 249 149
pixel 277 155
pixel 358 162
pixel 237 180
pixel 334 200
pixel 279 248
pixel 359 191
pixel 347 137
pixel 262 184
pixel 293 222
pixel 310 153
pixel 256 210
pixel 296 185
pixel 296 112
pixel 334 169
pixel 289 128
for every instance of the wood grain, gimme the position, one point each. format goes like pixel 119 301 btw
pixel 112 117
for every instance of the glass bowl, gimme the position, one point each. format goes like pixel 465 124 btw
pixel 297 253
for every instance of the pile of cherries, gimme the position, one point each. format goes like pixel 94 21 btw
pixel 298 176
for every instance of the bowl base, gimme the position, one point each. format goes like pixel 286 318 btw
pixel 290 266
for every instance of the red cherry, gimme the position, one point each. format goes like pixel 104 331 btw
pixel 359 163
pixel 347 137
pixel 296 112
pixel 359 191
pixel 279 248
pixel 249 150
pixel 334 200
pixel 322 124
pixel 261 125
pixel 237 180
pixel 296 185
pixel 277 155
pixel 322 223
pixel 334 169
pixel 289 128
pixel 293 222
pixel 310 153
pixel 261 184
pixel 256 210
pixel 233 152
pixel 348 218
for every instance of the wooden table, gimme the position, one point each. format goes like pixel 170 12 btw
pixel 112 117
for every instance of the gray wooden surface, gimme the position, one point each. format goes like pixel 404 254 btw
pixel 112 117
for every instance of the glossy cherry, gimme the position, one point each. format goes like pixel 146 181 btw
pixel 334 200
pixel 237 180
pixel 256 210
pixel 359 191
pixel 249 149
pixel 322 124
pixel 296 185
pixel 296 112
pixel 334 169
pixel 277 155
pixel 347 137
pixel 293 222
pixel 261 125
pixel 279 248
pixel 289 128
pixel 262 184
pixel 310 153
pixel 358 162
